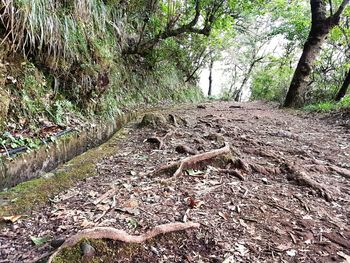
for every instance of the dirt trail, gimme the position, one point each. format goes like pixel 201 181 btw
pixel 274 215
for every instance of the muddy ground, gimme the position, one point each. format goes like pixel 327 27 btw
pixel 292 206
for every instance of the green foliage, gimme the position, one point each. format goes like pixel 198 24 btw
pixel 321 107
pixel 78 63
pixel 345 102
pixel 9 140
pixel 328 106
pixel 292 19
pixel 271 82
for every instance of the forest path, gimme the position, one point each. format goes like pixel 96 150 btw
pixel 292 206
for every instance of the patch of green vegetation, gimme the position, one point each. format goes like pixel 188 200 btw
pixel 329 106
pixel 73 254
pixel 7 139
pixel 108 251
pixel 321 107
pixel 271 82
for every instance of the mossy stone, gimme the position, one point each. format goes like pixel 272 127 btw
pixel 153 120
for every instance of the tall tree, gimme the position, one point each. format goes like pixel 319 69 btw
pixel 321 24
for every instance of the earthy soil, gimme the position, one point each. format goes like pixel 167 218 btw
pixel 292 206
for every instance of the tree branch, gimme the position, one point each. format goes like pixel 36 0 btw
pixel 336 17
pixel 190 27
pixel 331 7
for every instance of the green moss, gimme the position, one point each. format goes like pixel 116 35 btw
pixel 108 250
pixel 153 120
pixel 24 197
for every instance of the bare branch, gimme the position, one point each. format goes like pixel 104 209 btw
pixel 331 7
pixel 190 27
pixel 336 17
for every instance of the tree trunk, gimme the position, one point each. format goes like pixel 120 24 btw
pixel 344 87
pixel 210 90
pixel 320 27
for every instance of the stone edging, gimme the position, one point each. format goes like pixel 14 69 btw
pixel 33 164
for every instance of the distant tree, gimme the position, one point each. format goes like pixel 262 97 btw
pixel 344 88
pixel 321 25
pixel 211 66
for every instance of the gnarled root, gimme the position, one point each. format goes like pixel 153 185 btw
pixel 193 160
pixel 232 172
pixel 120 235
pixel 303 180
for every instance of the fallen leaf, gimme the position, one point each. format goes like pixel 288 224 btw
pixel 103 207
pixel 283 247
pixel 242 223
pixel 193 203
pixel 223 215
pixel 86 223
pixel 345 256
pixel 39 241
pixel 291 252
pixel 192 172
pixel 241 249
pixel 230 259
pixel 132 203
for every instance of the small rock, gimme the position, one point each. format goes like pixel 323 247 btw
pixel 153 120
pixel 48 175
pixel 154 250
pixel 264 180
pixel 56 243
pixel 185 149
pixel 88 250
pixel 201 107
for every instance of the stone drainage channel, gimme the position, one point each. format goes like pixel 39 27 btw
pixel 69 144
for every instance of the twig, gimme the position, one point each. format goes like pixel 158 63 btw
pixel 292 237
pixel 159 140
pixel 104 196
pixel 41 257
pixel 342 171
pixel 120 235
pixel 234 173
pixel 279 207
pixel 303 203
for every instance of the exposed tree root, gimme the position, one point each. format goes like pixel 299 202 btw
pixel 234 173
pixel 185 149
pixel 242 165
pixel 303 180
pixel 190 161
pixel 120 235
pixel 159 140
pixel 264 170
pixel 156 140
pixel 342 171
pixel 338 239
pixel 173 120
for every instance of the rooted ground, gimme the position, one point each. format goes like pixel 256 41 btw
pixel 293 205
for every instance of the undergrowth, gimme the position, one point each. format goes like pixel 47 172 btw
pixel 65 64
pixel 328 106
